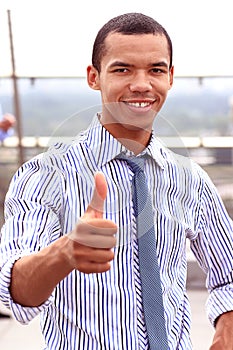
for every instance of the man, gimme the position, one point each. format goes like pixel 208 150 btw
pixel 69 244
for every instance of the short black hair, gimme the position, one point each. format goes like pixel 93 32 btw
pixel 127 24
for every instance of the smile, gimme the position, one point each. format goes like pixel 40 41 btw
pixel 139 104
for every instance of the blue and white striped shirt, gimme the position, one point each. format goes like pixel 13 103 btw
pixel 103 311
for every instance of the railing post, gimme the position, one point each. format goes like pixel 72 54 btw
pixel 17 110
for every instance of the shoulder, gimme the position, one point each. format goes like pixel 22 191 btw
pixel 182 164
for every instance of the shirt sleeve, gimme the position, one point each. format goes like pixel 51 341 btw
pixel 32 222
pixel 5 134
pixel 213 248
pixel 21 313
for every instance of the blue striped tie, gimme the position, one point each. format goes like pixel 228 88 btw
pixel 148 263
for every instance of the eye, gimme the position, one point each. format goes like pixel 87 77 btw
pixel 158 70
pixel 120 70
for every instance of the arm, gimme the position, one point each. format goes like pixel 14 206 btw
pixel 223 338
pixel 88 248
pixel 213 248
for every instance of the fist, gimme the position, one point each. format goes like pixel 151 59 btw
pixel 93 238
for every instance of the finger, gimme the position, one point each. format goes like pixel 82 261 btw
pixel 92 255
pixel 91 267
pixel 97 226
pixel 91 260
pixel 95 208
pixel 94 241
pixel 98 233
pixel 100 261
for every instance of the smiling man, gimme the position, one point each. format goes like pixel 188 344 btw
pixel 134 77
pixel 70 246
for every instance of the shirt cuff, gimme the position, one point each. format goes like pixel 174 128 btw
pixel 22 314
pixel 219 301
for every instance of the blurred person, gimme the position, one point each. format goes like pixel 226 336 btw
pixel 69 247
pixel 7 123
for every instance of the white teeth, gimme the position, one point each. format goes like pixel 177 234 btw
pixel 139 104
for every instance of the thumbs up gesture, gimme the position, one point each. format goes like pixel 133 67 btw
pixel 94 237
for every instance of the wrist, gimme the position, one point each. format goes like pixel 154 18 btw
pixel 62 253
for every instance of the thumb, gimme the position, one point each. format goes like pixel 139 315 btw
pixel 95 208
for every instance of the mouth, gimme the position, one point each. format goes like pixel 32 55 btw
pixel 139 106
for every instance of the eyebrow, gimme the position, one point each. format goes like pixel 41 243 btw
pixel 160 64
pixel 120 64
pixel 123 64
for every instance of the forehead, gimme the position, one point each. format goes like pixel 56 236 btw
pixel 139 50
pixel 139 42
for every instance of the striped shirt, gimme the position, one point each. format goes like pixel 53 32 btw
pixel 104 311
pixel 5 134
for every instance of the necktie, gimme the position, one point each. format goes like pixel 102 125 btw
pixel 148 263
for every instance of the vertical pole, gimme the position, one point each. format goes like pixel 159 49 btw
pixel 17 110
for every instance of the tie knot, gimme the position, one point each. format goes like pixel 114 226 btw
pixel 135 163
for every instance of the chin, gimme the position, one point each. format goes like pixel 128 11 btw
pixel 118 113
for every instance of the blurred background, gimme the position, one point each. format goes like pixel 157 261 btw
pixel 45 48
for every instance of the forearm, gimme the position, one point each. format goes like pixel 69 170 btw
pixel 88 248
pixel 223 338
pixel 34 277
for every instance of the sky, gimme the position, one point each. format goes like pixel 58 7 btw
pixel 54 38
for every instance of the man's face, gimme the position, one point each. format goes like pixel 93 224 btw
pixel 134 79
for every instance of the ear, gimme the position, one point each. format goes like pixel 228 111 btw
pixel 171 76
pixel 93 78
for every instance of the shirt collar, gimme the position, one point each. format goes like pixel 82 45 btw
pixel 105 147
pixel 156 150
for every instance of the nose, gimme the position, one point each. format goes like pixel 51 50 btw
pixel 140 82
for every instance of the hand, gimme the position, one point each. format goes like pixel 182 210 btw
pixel 223 338
pixel 94 237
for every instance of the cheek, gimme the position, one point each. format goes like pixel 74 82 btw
pixel 162 88
pixel 110 92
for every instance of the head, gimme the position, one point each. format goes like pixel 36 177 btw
pixel 132 68
pixel 127 24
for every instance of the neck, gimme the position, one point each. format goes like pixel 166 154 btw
pixel 134 139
